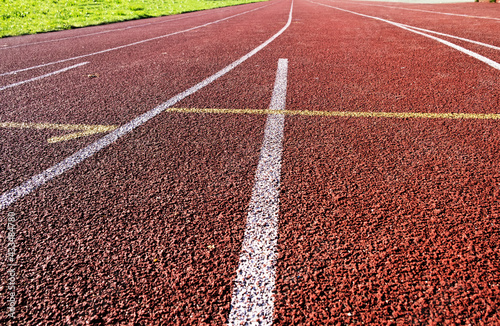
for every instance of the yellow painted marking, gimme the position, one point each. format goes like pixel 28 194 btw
pixel 83 130
pixel 87 130
pixel 399 115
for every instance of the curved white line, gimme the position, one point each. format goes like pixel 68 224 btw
pixel 473 54
pixel 453 36
pixel 434 12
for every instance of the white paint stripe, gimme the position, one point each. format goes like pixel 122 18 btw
pixel 128 45
pixel 113 30
pixel 475 55
pixel 435 12
pixel 452 36
pixel 446 35
pixel 36 181
pixel 253 299
pixel 43 76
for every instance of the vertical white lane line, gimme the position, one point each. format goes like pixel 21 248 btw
pixel 253 300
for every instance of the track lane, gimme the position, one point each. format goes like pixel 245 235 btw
pixel 161 226
pixel 184 206
pixel 85 48
pixel 385 226
pixel 380 219
pixel 148 78
pixel 358 194
pixel 479 30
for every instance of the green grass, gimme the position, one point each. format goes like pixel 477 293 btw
pixel 18 17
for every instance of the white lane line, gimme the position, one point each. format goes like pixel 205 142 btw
pixel 36 181
pixel 128 45
pixel 43 76
pixel 435 12
pixel 453 36
pixel 447 35
pixel 111 30
pixel 475 55
pixel 253 299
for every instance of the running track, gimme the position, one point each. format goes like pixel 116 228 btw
pixel 309 162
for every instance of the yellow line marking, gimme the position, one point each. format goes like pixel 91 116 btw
pixel 399 115
pixel 87 130
pixel 84 130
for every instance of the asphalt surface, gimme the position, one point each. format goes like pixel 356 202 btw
pixel 382 219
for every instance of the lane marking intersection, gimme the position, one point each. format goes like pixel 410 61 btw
pixel 253 294
pixel 352 114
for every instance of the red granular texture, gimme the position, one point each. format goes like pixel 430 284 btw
pixel 387 221
pixel 385 230
pixel 382 221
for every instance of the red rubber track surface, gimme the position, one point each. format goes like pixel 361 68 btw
pixel 476 29
pixel 386 221
pixel 382 221
pixel 131 81
pixel 177 186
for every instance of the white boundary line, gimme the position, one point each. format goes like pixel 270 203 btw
pixel 43 76
pixel 36 181
pixel 253 299
pixel 128 45
pixel 446 35
pixel 453 36
pixel 434 12
pixel 475 55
